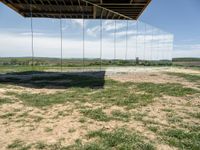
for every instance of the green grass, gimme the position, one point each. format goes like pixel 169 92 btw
pixel 62 113
pixel 145 121
pixel 121 139
pixel 40 145
pixel 99 115
pixel 96 114
pixel 23 117
pixel 173 118
pixel 167 110
pixel 113 92
pixel 82 120
pixel 190 127
pixel 7 115
pixel 195 115
pixel 18 145
pixel 139 116
pixel 118 139
pixel 122 116
pixel 170 89
pixel 153 128
pixel 41 100
pixel 182 139
pixel 36 118
pixel 2 85
pixel 188 77
pixel 71 130
pixel 5 101
pixel 47 129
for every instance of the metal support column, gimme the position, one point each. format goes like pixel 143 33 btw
pixel 126 53
pixel 32 42
pixel 144 36
pixel 83 59
pixel 61 46
pixel 151 58
pixel 115 41
pixel 136 53
pixel 101 36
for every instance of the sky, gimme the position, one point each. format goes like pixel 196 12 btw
pixel 180 17
pixel 161 22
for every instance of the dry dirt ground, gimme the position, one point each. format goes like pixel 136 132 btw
pixel 149 74
pixel 61 125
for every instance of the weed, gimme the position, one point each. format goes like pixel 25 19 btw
pixel 115 93
pixel 24 114
pixel 56 146
pixel 170 89
pixel 5 101
pixel 71 130
pixel 167 110
pixel 173 118
pixel 118 115
pixel 18 144
pixel 153 128
pixel 96 114
pixel 36 118
pixel 195 115
pixel 121 139
pixel 139 116
pixel 7 115
pixel 188 77
pixel 149 121
pixel 2 85
pixel 48 129
pixel 118 139
pixel 182 139
pixel 16 110
pixel 82 120
pixel 62 113
pixel 190 127
pixel 40 100
pixel 40 145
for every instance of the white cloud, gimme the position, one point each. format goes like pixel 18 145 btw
pixel 29 34
pixel 78 22
pixel 186 50
pixel 187 47
pixel 151 44
pixel 13 45
pixel 93 31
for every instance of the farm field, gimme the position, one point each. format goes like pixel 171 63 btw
pixel 112 108
pixel 187 62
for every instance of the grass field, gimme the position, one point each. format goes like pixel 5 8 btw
pixel 120 108
pixel 187 62
pixel 38 64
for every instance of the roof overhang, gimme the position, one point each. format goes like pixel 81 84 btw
pixel 88 9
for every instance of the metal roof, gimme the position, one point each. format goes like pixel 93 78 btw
pixel 88 9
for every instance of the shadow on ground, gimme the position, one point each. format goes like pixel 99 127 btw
pixel 55 80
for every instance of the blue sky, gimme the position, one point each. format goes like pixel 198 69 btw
pixel 179 17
